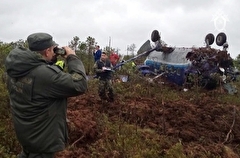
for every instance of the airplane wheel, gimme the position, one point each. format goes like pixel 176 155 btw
pixel 221 39
pixel 209 39
pixel 155 36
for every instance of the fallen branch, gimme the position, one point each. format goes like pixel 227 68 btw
pixel 231 128
pixel 77 141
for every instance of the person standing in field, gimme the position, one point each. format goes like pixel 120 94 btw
pixel 114 58
pixel 38 91
pixel 103 69
pixel 97 54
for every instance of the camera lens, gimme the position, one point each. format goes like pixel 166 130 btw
pixel 55 49
pixel 59 51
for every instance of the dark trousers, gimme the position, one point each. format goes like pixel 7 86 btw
pixel 25 154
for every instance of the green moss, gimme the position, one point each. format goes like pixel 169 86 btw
pixel 127 140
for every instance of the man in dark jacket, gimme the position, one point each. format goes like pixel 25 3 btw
pixel 38 92
pixel 97 54
pixel 103 69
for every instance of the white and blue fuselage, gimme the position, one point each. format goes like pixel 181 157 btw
pixel 173 64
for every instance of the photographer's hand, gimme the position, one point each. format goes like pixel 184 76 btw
pixel 68 51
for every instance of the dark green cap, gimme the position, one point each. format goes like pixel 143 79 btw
pixel 40 41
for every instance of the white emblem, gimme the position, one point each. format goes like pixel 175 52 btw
pixel 220 21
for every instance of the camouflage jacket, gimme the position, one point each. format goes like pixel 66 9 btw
pixel 103 74
pixel 38 98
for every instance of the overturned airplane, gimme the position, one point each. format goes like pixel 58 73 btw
pixel 204 66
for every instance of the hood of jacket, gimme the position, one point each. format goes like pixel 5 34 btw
pixel 20 61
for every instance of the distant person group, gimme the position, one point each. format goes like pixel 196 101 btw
pixel 114 57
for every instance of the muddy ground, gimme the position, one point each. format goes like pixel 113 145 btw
pixel 202 125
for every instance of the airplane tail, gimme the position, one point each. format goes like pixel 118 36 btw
pixel 144 53
pixel 145 47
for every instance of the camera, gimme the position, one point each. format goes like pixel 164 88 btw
pixel 59 51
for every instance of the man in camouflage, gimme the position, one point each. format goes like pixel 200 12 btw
pixel 38 91
pixel 103 69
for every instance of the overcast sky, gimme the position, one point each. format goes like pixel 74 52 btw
pixel 183 23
